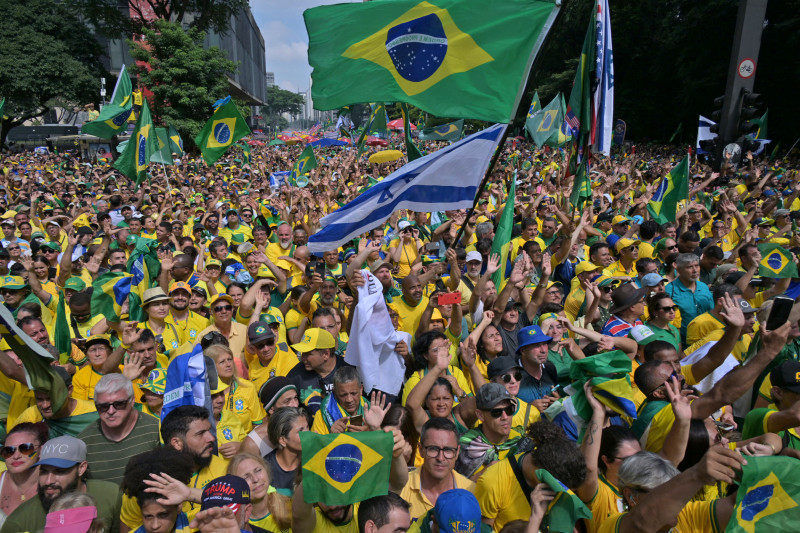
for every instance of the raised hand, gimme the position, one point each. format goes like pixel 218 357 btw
pixel 731 312
pixel 377 410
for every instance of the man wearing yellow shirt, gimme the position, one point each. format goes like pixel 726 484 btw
pixel 345 404
pixel 712 320
pixel 411 305
pixel 439 448
pixel 530 231
pixel 584 272
pixel 284 246
pixel 268 361
pixel 187 321
pixel 628 252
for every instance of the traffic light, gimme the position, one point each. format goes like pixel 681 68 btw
pixel 750 109
pixel 716 115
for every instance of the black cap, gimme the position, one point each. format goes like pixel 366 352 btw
pixel 786 376
pixel 501 365
pixel 225 491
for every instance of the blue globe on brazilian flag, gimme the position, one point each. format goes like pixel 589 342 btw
pixel 345 468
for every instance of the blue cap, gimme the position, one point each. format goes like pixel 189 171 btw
pixel 457 511
pixel 768 192
pixel 531 335
pixel 651 280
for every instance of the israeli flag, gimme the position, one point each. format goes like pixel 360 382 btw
pixel 704 132
pixel 443 180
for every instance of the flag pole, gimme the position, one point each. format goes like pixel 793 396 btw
pixel 532 63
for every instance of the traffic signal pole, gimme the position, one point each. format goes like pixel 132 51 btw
pixel 742 69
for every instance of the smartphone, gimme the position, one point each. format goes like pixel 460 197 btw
pixel 357 420
pixel 779 314
pixel 449 298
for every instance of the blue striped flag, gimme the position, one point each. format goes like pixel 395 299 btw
pixel 446 179
pixel 603 97
pixel 186 382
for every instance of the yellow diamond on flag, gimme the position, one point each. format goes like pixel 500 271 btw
pixel 420 48
pixel 141 148
pixel 764 498
pixel 342 462
pixel 548 119
pixel 222 132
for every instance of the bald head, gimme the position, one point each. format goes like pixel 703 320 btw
pixel 412 289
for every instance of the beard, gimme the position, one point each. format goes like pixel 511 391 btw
pixel 200 461
pixel 47 501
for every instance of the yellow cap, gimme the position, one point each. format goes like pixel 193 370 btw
pixel 624 243
pixel 315 338
pixel 585 266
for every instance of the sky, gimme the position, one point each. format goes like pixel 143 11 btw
pixel 281 24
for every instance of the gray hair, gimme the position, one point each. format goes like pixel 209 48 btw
pixel 645 470
pixel 346 374
pixel 73 500
pixel 111 383
pixel 684 260
pixel 483 228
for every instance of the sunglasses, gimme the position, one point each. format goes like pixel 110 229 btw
pixel 668 308
pixel 607 289
pixel 498 412
pixel 221 308
pixel 268 342
pixel 118 406
pixel 26 448
pixel 517 375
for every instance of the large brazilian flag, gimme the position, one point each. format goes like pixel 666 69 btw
pixel 450 58
pixel 345 468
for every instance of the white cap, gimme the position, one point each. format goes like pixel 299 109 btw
pixel 403 224
pixel 474 256
pixel 641 333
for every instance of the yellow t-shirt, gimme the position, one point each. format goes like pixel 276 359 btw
pixel 18 397
pixel 280 365
pixel 190 327
pixel 324 525
pixel 408 255
pixel 84 382
pixel 409 316
pixel 618 269
pixel 242 399
pixel 500 496
pixel 131 513
pixel 607 502
pixel 268 523
pixel 32 413
pixel 701 326
pixel 646 250
pixel 412 492
pixel 416 377
pixel 518 420
pixel 696 517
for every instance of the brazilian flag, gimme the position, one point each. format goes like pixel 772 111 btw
pixel 175 142
pixel 376 123
pixel 446 132
pixel 565 509
pixel 345 468
pixel 546 122
pixel 673 188
pixel 776 262
pixel 140 148
pixel 162 154
pixel 457 58
pixel 225 127
pixel 304 163
pixel 110 292
pixel 63 338
pixel 113 118
pixel 535 104
pixel 412 152
pixel 581 188
pixel 769 496
pixel 502 237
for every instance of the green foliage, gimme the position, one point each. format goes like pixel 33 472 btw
pixel 48 59
pixel 111 20
pixel 185 78
pixel 281 101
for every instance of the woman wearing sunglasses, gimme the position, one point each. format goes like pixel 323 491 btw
pixel 21 451
pixel 662 311
pixel 506 371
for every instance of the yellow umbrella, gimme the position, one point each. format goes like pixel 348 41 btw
pixel 385 156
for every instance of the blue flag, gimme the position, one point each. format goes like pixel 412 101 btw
pixel 446 179
pixel 186 382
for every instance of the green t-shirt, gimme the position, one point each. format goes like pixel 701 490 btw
pixel 755 424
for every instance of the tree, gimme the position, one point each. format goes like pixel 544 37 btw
pixel 185 78
pixel 136 15
pixel 49 59
pixel 280 101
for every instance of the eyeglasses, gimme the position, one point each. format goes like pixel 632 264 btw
pixel 607 289
pixel 517 375
pixel 673 247
pixel 668 308
pixel 118 406
pixel 268 342
pixel 434 451
pixel 49 251
pixel 221 308
pixel 498 412
pixel 12 248
pixel 26 448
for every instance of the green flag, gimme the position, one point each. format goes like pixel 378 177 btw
pixel 345 468
pixel 546 122
pixel 774 153
pixel 458 58
pixel 446 132
pixel 502 237
pixel 36 361
pixel 563 133
pixel 581 188
pixel 565 509
pixel 768 498
pixel 110 290
pixel 673 188
pixel 63 338
pixel 114 116
pixel 776 262
pixel 579 108
pixel 535 104
pixel 678 130
pixel 162 154
pixel 304 163
pixel 140 148
pixel 762 126
pixel 175 142
pixel 412 152
pixel 225 127
pixel 377 115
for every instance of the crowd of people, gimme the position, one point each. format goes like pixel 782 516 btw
pixel 630 360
